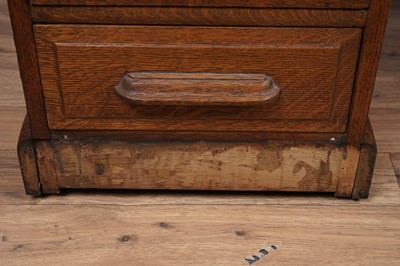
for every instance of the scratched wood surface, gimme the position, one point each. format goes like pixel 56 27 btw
pixel 153 228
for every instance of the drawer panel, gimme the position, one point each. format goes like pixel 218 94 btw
pixel 81 66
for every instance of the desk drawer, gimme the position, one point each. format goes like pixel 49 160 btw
pixel 81 67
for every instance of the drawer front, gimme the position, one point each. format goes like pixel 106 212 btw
pixel 81 67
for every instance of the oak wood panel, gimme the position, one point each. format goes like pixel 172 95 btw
pixel 354 4
pixel 28 66
pixel 368 66
pixel 316 88
pixel 199 16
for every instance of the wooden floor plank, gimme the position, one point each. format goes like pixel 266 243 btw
pixel 199 235
pixel 386 125
pixel 387 94
pixel 395 157
pixel 8 57
pixel 5 25
pixel 11 89
pixel 11 119
pixel 12 190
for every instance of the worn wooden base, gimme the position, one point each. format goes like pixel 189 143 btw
pixel 110 163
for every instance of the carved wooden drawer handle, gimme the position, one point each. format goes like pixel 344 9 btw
pixel 197 89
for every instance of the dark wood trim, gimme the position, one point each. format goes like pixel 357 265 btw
pixel 366 165
pixel 354 4
pixel 368 66
pixel 27 161
pixel 199 16
pixel 333 138
pixel 28 67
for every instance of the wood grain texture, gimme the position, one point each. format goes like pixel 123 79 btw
pixel 368 65
pixel 5 28
pixel 12 117
pixel 199 16
pixel 354 4
pixel 87 227
pixel 395 158
pixel 386 127
pixel 366 165
pixel 348 172
pixel 27 161
pixel 316 89
pixel 46 167
pixel 7 54
pixel 384 192
pixel 197 89
pixel 28 66
pixel 217 235
pixel 263 166
pixel 12 191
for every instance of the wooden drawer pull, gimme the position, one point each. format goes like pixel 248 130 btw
pixel 197 89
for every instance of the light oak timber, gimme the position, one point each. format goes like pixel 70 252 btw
pixel 386 94
pixel 7 54
pixel 354 4
pixel 386 127
pixel 204 234
pixel 199 16
pixel 384 192
pixel 5 25
pixel 46 162
pixel 12 190
pixel 11 88
pixel 11 117
pixel 348 172
pixel 199 165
